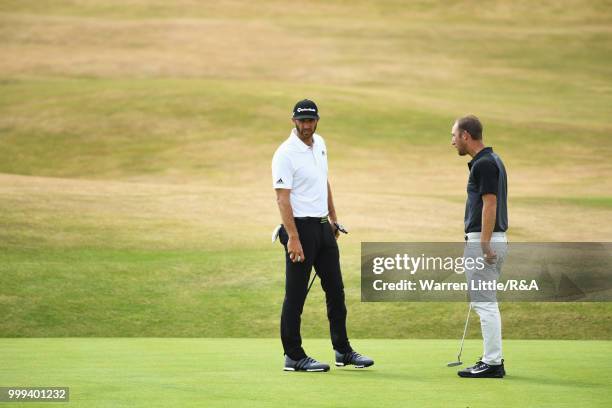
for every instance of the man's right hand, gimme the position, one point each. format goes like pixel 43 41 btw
pixel 294 247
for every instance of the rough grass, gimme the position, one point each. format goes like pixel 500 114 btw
pixel 136 137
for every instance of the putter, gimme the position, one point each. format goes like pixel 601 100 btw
pixel 342 230
pixel 311 282
pixel 276 231
pixel 467 320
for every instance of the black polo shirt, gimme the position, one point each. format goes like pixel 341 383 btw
pixel 487 176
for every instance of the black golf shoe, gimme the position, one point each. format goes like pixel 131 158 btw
pixel 304 364
pixel 353 358
pixel 483 370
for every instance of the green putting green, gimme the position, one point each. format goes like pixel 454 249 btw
pixel 148 372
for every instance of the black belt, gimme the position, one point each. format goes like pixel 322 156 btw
pixel 318 220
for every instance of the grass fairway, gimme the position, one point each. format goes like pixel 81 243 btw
pixel 247 373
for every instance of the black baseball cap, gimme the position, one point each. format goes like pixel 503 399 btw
pixel 305 109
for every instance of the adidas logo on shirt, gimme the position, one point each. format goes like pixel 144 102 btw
pixel 279 181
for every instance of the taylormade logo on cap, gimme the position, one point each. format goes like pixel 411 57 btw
pixel 305 109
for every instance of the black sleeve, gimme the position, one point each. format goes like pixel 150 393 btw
pixel 486 175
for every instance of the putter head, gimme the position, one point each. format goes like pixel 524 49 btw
pixel 276 231
pixel 454 364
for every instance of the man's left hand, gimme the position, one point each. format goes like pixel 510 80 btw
pixel 334 228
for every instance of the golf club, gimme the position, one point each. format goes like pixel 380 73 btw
pixel 342 230
pixel 311 282
pixel 467 320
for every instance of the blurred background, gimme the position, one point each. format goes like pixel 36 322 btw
pixel 136 139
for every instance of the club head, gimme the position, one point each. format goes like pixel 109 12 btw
pixel 454 364
pixel 276 232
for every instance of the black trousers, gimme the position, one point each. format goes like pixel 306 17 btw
pixel 321 251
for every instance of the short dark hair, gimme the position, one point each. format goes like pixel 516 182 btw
pixel 472 125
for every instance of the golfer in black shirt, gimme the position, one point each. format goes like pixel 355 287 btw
pixel 486 222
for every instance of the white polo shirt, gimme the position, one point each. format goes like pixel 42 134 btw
pixel 303 169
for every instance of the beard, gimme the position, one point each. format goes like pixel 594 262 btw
pixel 306 133
pixel 461 151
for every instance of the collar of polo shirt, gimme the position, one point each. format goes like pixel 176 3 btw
pixel 297 142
